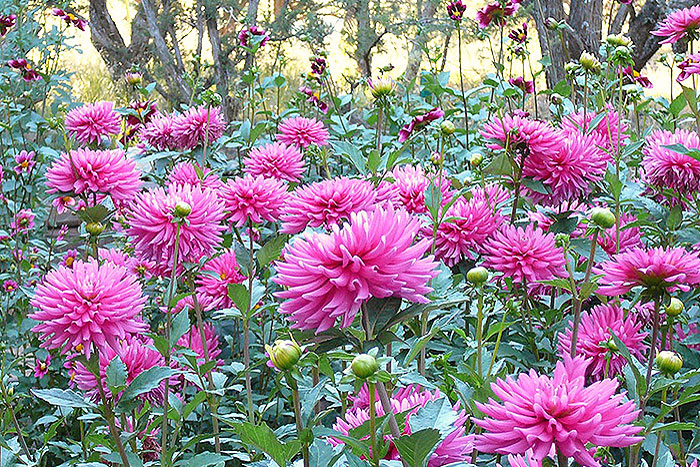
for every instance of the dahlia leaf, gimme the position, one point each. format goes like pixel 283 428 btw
pixel 349 150
pixel 416 448
pixel 271 250
pixel 238 293
pixel 437 414
pixel 203 459
pixel 265 440
pixel 674 426
pixel 62 398
pixel 146 382
pixel 691 99
pixel 115 375
pixel 500 165
pixel 420 343
pixel 677 105
pixel 180 325
pixel 640 380
pixel 93 213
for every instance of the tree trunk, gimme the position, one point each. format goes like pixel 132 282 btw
pixel 586 20
pixel 551 44
pixel 220 69
pixel 415 56
pixel 365 38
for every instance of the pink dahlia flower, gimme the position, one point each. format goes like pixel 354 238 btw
pixel 137 354
pixel 456 447
pixel 630 237
pixel 497 12
pixel 153 225
pixel 608 132
pixel 197 125
pixel 205 303
pixel 329 276
pixel 23 221
pixel 41 367
pixel 189 173
pixel 158 132
pixel 326 203
pixel 25 162
pixel 192 340
pixel 302 132
pixel 89 123
pixel 596 344
pixel 539 412
pixel 216 276
pixel 658 270
pixel 522 135
pixel 678 23
pixel 139 267
pixel 526 255
pixel 545 217
pixel 87 304
pixel 95 172
pixel 688 67
pixel 666 168
pixel 528 460
pixel 567 172
pixel 254 199
pixel 275 160
pixel 412 182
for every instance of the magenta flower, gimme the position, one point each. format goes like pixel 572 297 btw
pixel 9 285
pixel 192 340
pixel 519 36
pixel 197 126
pixel 665 168
pixel 158 132
pixel 329 276
pixel 25 162
pixel 253 199
pixel 630 237
pixel 69 258
pixel 678 23
pixel 217 274
pixel 539 412
pixel 302 132
pixel 689 67
pixel 250 32
pixel 6 23
pixel 528 87
pixel 275 160
pixel 139 267
pixel 41 368
pixel 314 98
pixel 419 122
pixel 636 77
pixel 29 74
pixel 609 133
pixel 658 270
pixel 526 255
pixel 153 225
pixel 189 173
pixel 528 460
pixel 326 203
pixel 23 221
pixel 544 217
pixel 497 12
pixel 456 447
pixel 70 18
pixel 595 341
pixel 88 172
pixel 455 10
pixel 412 183
pixel 91 122
pixel 87 304
pixel 519 134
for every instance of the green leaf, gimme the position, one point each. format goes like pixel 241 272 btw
pixel 93 214
pixel 265 440
pixel 437 415
pixel 420 343
pixel 62 398
pixel 641 383
pixel 536 185
pixel 181 324
pixel 145 382
pixel 115 374
pixel 204 459
pixel 674 426
pixel 271 250
pixel 350 150
pixel 415 448
pixel 500 165
pixel 677 105
pixel 675 217
pixel 238 293
pixel 691 99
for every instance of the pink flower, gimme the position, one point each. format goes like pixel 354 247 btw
pixel 25 162
pixel 497 12
pixel 95 172
pixel 329 276
pixel 153 225
pixel 658 270
pixel 7 22
pixel 456 447
pixel 519 36
pixel 630 237
pixel 204 301
pixel 539 412
pixel 41 368
pixel 665 168
pixel 189 173
pixel 526 255
pixel 249 32
pixel 636 77
pixel 69 258
pixel 568 172
pixel 608 133
pixel 216 276
pixel 523 461
pixel 9 285
pixel 595 341
pixel 412 183
pixel 138 267
pixel 275 160
pixel 192 340
pixel 689 67
pixel 21 65
pixel 197 125
pixel 302 132
pixel 326 203
pixel 87 304
pixel 419 122
pixel 23 221
pixel 158 132
pixel 456 9
pixel 678 23
pixel 314 98
pixel 91 122
pixel 528 87
pixel 253 199
pixel 522 135
pixel 70 18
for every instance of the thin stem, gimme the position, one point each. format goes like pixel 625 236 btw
pixel 579 300
pixel 246 333
pixel 479 330
pixel 461 87
pixel 372 424
pixel 386 405
pixel 297 417
pixel 562 460
pixel 380 114
pixel 10 410
pixel 659 434
pixel 585 101
pixel 109 416
pixel 652 352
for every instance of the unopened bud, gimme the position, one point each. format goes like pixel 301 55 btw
pixel 476 159
pixel 364 365
pixel 603 217
pixel 618 40
pixel 669 363
pixel 447 127
pixel 478 275
pixel 94 228
pixel 589 62
pixel 284 354
pixel 381 88
pixel 182 209
pixel 675 307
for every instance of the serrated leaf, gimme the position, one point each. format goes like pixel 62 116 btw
pixel 271 250
pixel 145 382
pixel 415 448
pixel 62 398
pixel 265 440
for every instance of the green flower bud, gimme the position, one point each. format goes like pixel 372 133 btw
pixel 674 308
pixel 478 275
pixel 603 217
pixel 381 88
pixel 447 127
pixel 610 345
pixel 669 363
pixel 561 239
pixel 476 159
pixel 616 40
pixel 182 209
pixel 284 354
pixel 364 365
pixel 571 67
pixel 589 62
pixel 94 228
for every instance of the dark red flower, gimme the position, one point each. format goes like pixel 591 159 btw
pixel 419 122
pixel 497 12
pixel 636 77
pixel 455 10
pixel 6 22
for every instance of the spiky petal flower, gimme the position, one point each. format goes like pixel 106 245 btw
pixel 158 132
pixel 192 340
pixel 658 270
pixel 528 460
pixel 412 183
pixel 197 126
pixel 678 23
pixel 329 276
pixel 326 203
pixel 456 447
pixel 595 340
pixel 526 255
pixel 254 199
pixel 189 173
pixel 522 135
pixel 153 225
pixel 87 304
pixel 95 172
pixel 666 168
pixel 608 133
pixel 539 412
pixel 275 160
pixel 89 123
pixel 630 237
pixel 217 274
pixel 302 132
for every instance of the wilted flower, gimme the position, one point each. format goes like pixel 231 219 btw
pixel 302 132
pixel 528 87
pixel 28 73
pixel 678 23
pixel 419 122
pixel 636 77
pixel 318 66
pixel 314 98
pixel 90 122
pixel 25 162
pixel 519 36
pixel 253 199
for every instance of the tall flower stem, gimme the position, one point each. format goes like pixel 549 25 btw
pixel 461 86
pixel 246 330
pixel 386 405
pixel 585 101
pixel 297 416
pixel 109 416
pixel 11 411
pixel 372 424
pixel 579 299
pixel 380 115
pixel 652 352
pixel 479 330
pixel 562 460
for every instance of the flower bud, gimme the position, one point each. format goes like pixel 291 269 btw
pixel 616 40
pixel 364 365
pixel 551 24
pixel 447 127
pixel 571 67
pixel 94 228
pixel 381 88
pixel 589 62
pixel 669 363
pixel 133 78
pixel 675 307
pixel 556 98
pixel 561 239
pixel 284 354
pixel 476 159
pixel 610 345
pixel 182 209
pixel 622 53
pixel 478 275
pixel 603 217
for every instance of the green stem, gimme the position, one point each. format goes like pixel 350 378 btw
pixel 659 434
pixel 579 299
pixel 461 87
pixel 246 333
pixel 109 416
pixel 562 460
pixel 479 330
pixel 297 417
pixel 372 424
